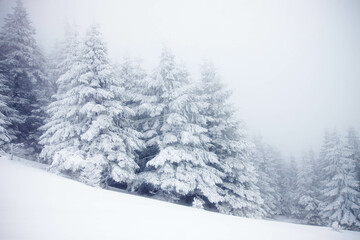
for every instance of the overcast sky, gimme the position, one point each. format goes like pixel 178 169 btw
pixel 293 66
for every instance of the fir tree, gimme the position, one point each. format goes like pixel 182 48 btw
pixel 353 150
pixel 182 166
pixel 6 114
pixel 21 63
pixel 88 134
pixel 290 202
pixel 340 198
pixel 228 140
pixel 265 159
pixel 62 55
pixel 307 192
pixel 64 67
pixel 132 78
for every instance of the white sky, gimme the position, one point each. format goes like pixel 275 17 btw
pixel 293 66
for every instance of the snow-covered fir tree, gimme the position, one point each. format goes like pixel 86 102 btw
pixel 265 159
pixel 132 77
pixel 64 66
pixel 88 134
pixel 154 92
pixel 62 55
pixel 339 195
pixel 281 166
pixel 307 193
pixel 7 134
pixel 289 204
pixel 320 169
pixel 352 144
pixel 22 63
pixel 352 151
pixel 229 141
pixel 182 167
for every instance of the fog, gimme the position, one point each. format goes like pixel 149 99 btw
pixel 293 66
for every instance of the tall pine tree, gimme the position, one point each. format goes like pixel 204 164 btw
pixel 307 192
pixel 339 195
pixel 181 168
pixel 21 63
pixel 265 159
pixel 88 134
pixel 353 150
pixel 132 78
pixel 290 203
pixel 229 141
pixel 62 55
pixel 7 115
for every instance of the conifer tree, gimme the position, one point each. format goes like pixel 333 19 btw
pixel 156 92
pixel 21 63
pixel 229 141
pixel 64 66
pixel 88 135
pixel 62 55
pixel 307 192
pixel 353 150
pixel 290 202
pixel 133 79
pixel 182 166
pixel 340 198
pixel 265 159
pixel 6 115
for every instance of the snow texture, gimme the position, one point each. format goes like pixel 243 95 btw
pixel 40 206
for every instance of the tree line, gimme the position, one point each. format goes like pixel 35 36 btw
pixel 160 134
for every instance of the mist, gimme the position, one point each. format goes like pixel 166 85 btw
pixel 293 66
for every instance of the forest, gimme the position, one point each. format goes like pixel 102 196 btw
pixel 160 134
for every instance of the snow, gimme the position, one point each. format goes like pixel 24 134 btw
pixel 35 204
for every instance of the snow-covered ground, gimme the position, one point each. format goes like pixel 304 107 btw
pixel 35 204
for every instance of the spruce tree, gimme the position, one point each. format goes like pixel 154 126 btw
pixel 290 202
pixel 132 78
pixel 62 55
pixel 340 198
pixel 229 141
pixel 181 168
pixel 353 150
pixel 6 116
pixel 307 201
pixel 64 66
pixel 265 159
pixel 88 134
pixel 21 63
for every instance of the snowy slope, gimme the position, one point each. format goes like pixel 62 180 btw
pixel 35 204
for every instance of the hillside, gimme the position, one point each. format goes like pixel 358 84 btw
pixel 35 204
